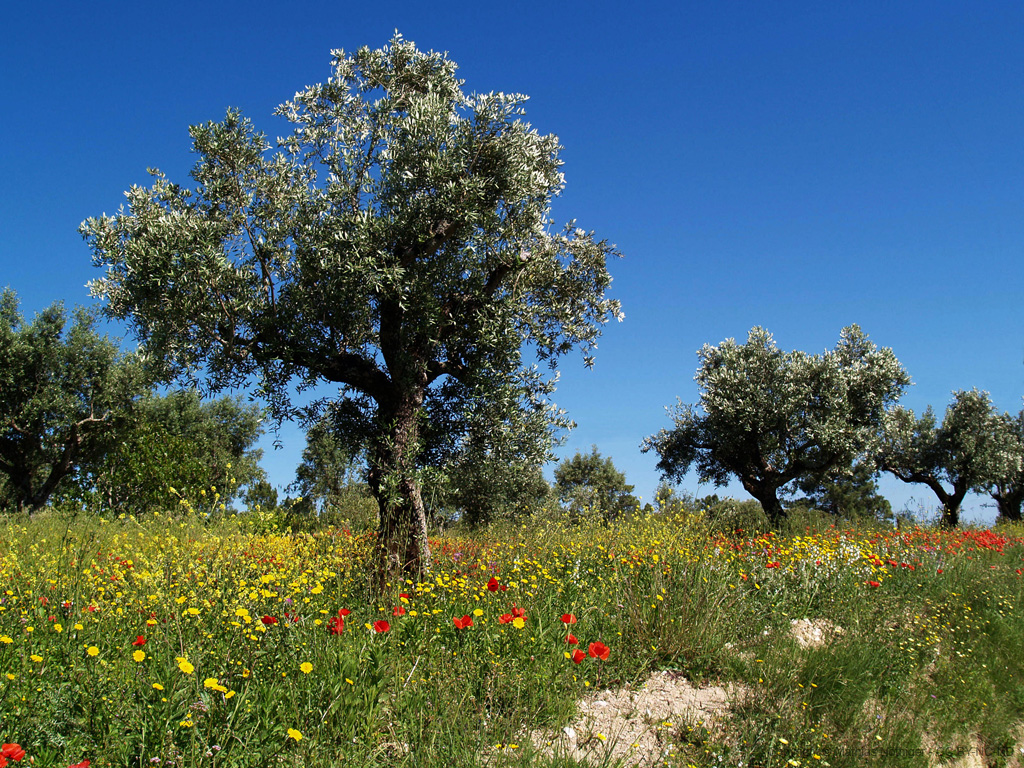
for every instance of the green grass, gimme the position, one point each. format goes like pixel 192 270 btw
pixel 926 665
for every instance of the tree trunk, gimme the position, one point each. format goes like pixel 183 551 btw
pixel 402 549
pixel 767 496
pixel 1009 505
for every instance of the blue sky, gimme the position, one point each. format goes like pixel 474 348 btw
pixel 799 166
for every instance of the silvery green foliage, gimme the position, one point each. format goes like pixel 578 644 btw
pixel 396 242
pixel 769 417
pixel 1008 490
pixel 970 451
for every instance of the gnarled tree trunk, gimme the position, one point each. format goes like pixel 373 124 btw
pixel 402 549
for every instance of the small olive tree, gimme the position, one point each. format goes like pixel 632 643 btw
pixel 397 243
pixel 62 388
pixel 770 417
pixel 1008 491
pixel 970 451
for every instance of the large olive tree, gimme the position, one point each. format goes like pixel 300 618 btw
pixel 970 451
pixel 396 243
pixel 770 417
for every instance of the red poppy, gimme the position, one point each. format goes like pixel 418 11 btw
pixel 571 639
pixel 398 611
pixel 12 752
pixel 494 585
pixel 774 564
pixel 464 622
pixel 599 650
pixel 343 612
pixel 83 764
pixel 404 594
pixel 380 627
pixel 336 625
pixel 268 620
pixel 518 613
pixel 578 656
pixel 874 584
pixel 568 618
pixel 139 641
pixel 505 618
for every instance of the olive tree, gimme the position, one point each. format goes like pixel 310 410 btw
pixel 62 388
pixel 205 451
pixel 1008 491
pixel 969 451
pixel 770 417
pixel 590 482
pixel 395 242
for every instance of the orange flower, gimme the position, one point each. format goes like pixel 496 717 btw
pixel 464 622
pixel 568 618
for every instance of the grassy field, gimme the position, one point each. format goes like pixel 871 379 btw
pixel 177 643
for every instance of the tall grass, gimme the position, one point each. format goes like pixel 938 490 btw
pixel 239 666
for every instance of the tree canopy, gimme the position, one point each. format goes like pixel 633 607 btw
pixel 1008 490
pixel 61 390
pixel 204 451
pixel 396 242
pixel 770 417
pixel 970 451
pixel 590 482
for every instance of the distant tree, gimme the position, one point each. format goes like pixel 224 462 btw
pixel 849 495
pixel 590 482
pixel 1008 491
pixel 203 450
pixel 770 417
pixel 61 392
pixel 398 244
pixel 484 486
pixel 332 467
pixel 969 451
pixel 261 495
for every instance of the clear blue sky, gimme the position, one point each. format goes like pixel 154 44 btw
pixel 799 166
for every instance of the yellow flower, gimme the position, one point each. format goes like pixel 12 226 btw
pixel 478 612
pixel 79 627
pixel 5 639
pixel 186 667
pixel 58 628
pixel 518 622
pixel 92 650
pixel 158 687
pixel 294 734
pixel 139 655
pixel 306 667
pixel 36 658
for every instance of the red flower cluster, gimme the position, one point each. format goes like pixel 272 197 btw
pixel 10 752
pixel 398 611
pixel 139 641
pixel 464 623
pixel 380 627
pixel 493 585
pixel 516 613
pixel 337 625
pixel 269 620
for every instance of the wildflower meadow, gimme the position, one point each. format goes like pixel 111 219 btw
pixel 175 641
